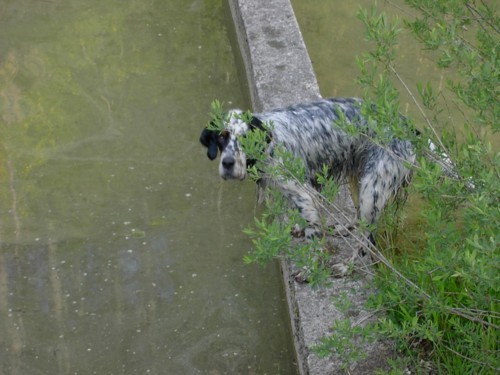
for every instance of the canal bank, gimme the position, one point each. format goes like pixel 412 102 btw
pixel 279 73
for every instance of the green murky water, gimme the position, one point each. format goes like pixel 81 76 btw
pixel 119 253
pixel 335 37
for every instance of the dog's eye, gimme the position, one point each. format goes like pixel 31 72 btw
pixel 223 135
pixel 222 139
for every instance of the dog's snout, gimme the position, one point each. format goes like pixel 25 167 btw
pixel 228 162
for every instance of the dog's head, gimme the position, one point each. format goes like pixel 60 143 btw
pixel 233 161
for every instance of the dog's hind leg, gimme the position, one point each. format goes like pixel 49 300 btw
pixel 376 188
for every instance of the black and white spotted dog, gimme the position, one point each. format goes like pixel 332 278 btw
pixel 312 132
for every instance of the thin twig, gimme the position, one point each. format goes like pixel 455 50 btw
pixel 472 9
pixel 421 110
pixel 470 359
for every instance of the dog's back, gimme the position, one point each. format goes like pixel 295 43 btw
pixel 309 131
pixel 314 132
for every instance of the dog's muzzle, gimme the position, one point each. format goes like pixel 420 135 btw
pixel 228 163
pixel 227 168
pixel 231 168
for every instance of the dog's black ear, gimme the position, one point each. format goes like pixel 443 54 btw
pixel 256 123
pixel 208 138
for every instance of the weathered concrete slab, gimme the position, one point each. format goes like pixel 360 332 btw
pixel 279 73
pixel 277 64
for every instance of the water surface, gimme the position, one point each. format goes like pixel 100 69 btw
pixel 120 248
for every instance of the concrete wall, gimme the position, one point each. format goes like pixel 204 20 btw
pixel 279 72
pixel 278 68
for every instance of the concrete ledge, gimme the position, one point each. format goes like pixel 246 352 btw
pixel 279 73
pixel 277 65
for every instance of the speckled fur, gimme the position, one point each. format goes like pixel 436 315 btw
pixel 310 132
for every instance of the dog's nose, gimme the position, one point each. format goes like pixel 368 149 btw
pixel 228 162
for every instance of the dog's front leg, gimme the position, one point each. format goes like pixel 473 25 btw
pixel 304 202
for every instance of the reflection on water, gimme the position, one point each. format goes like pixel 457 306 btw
pixel 120 249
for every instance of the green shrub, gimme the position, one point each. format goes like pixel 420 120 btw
pixel 443 301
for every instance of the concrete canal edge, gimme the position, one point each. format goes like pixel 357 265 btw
pixel 279 72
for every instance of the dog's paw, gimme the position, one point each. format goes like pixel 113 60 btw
pixel 342 230
pixel 297 231
pixel 300 276
pixel 312 233
pixel 341 269
pixel 309 233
